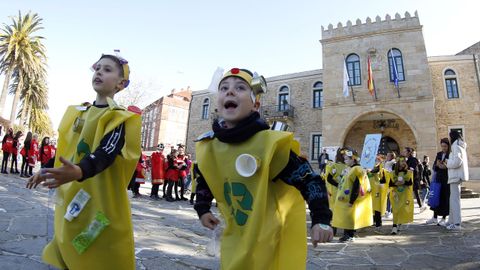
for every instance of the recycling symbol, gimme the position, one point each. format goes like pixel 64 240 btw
pixel 238 194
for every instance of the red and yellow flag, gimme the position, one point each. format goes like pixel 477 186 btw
pixel 371 87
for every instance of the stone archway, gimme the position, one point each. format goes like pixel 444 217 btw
pixel 396 133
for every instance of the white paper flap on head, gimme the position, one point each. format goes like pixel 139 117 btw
pixel 216 77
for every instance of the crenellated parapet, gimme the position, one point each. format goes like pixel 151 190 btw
pixel 378 25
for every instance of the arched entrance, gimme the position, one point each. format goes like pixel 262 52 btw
pixel 396 133
pixel 388 144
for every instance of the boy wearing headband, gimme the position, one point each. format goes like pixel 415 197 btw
pixel 98 148
pixel 264 211
pixel 353 206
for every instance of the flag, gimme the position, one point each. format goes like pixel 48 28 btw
pixel 345 79
pixel 395 71
pixel 371 88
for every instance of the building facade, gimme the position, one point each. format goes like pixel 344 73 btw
pixel 165 120
pixel 432 95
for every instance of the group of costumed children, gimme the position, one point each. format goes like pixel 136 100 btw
pixel 31 153
pixel 358 197
pixel 256 174
pixel 171 171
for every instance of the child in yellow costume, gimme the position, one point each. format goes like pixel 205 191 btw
pixel 353 207
pixel 379 185
pixel 254 173
pixel 98 148
pixel 401 195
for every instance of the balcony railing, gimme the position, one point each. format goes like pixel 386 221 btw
pixel 284 111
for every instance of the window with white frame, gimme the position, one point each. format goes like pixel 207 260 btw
pixel 318 95
pixel 205 108
pixel 353 68
pixel 451 84
pixel 460 129
pixel 395 58
pixel 283 98
pixel 315 146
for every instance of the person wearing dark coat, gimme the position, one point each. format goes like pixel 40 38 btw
pixel 441 176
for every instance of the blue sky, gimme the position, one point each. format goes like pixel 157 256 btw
pixel 175 44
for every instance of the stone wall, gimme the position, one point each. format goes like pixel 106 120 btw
pixel 463 112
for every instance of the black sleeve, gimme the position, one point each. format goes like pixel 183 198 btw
pixel 375 169
pixel 409 182
pixel 299 173
pixel 331 181
pixel 383 180
pixel 355 190
pixel 204 196
pixel 105 154
pixel 49 163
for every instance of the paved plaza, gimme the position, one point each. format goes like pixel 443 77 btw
pixel 169 236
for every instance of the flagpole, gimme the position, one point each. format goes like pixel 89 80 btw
pixel 374 88
pixel 351 87
pixel 395 72
pixel 353 93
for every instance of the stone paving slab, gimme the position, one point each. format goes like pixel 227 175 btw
pixel 169 236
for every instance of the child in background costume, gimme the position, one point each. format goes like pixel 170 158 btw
pixel 182 162
pixel 263 211
pixel 379 185
pixel 334 172
pixel 7 145
pixel 353 207
pixel 45 153
pixel 140 171
pixel 24 153
pixel 33 154
pixel 401 194
pixel 172 176
pixel 15 146
pixel 98 148
pixel 158 171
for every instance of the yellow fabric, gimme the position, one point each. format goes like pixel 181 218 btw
pixel 401 198
pixel 359 215
pixel 337 170
pixel 113 249
pixel 265 219
pixel 379 191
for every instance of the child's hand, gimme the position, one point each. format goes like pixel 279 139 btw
pixel 36 179
pixel 321 234
pixel 209 220
pixel 67 173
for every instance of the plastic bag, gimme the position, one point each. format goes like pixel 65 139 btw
pixel 213 247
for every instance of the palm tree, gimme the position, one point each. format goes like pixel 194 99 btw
pixel 33 99
pixel 21 53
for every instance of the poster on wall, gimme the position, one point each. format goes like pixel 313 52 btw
pixel 370 149
pixel 331 151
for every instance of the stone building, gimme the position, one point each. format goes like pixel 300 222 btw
pixel 165 120
pixel 434 95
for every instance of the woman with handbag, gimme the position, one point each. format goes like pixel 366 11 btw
pixel 457 165
pixel 440 177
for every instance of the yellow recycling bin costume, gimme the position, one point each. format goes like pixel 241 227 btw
pixel 379 191
pixel 401 198
pixel 80 132
pixel 337 170
pixel 265 219
pixel 360 214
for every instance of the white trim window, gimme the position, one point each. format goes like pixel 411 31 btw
pixel 205 108
pixel 318 95
pixel 316 141
pixel 451 84
pixel 459 128
pixel 283 98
